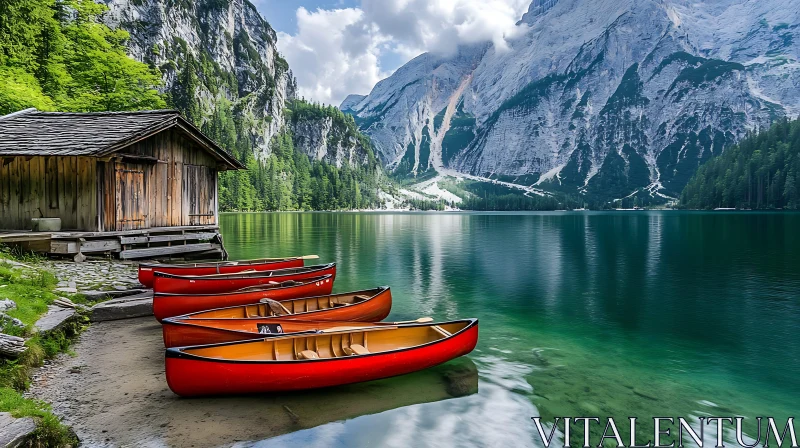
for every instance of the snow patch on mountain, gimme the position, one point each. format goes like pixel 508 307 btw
pixel 606 98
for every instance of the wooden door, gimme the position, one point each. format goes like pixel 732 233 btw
pixel 133 205
pixel 199 193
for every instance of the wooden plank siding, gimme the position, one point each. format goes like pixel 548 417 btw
pixel 165 180
pixel 133 204
pixel 49 187
pixel 170 192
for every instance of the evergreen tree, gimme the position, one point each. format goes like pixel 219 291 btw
pixel 759 172
pixel 57 55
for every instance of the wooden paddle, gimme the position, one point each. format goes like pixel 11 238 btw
pixel 421 320
pixel 270 302
pixel 389 325
pixel 346 329
pixel 303 257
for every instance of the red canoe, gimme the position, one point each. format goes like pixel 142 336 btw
pixel 225 267
pixel 170 305
pixel 301 361
pixel 251 321
pixel 223 283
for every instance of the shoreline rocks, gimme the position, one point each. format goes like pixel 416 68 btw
pixel 14 432
pixel 94 275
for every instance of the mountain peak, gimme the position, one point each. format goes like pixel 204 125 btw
pixel 536 9
pixel 351 102
pixel 604 98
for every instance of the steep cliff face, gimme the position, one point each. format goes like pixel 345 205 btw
pixel 221 66
pixel 326 139
pixel 400 107
pixel 605 98
pixel 213 54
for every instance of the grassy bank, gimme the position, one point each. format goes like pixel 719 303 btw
pixel 31 288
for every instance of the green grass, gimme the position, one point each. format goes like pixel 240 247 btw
pixel 49 430
pixel 31 289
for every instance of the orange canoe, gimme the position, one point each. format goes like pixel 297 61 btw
pixel 307 361
pixel 170 305
pixel 253 321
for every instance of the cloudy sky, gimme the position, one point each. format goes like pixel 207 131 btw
pixel 338 47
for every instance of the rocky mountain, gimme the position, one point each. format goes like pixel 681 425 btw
pixel 325 133
pixel 605 98
pixel 221 67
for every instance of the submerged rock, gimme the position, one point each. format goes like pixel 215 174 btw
pixel 462 380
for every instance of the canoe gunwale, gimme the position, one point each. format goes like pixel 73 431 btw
pixel 258 274
pixel 221 264
pixel 171 321
pixel 298 283
pixel 380 289
pixel 178 353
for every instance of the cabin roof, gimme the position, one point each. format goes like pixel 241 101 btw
pixel 34 133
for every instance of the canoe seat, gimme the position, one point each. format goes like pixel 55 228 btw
pixel 275 307
pixel 360 298
pixel 441 331
pixel 359 349
pixel 308 354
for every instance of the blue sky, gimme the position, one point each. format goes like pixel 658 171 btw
pixel 339 47
pixel 282 14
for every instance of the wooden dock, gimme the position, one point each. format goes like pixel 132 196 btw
pixel 157 242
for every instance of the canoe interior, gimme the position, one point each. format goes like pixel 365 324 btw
pixel 295 306
pixel 287 326
pixel 332 345
pixel 252 274
pixel 252 289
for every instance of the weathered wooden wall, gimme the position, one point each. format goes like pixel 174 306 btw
pixel 172 183
pixel 50 187
pixel 177 188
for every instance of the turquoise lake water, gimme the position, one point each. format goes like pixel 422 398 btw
pixel 619 314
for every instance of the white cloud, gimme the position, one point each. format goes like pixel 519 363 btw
pixel 333 54
pixel 338 52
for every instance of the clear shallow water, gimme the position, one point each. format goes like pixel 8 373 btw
pixel 581 314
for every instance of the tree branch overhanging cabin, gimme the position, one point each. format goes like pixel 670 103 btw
pixel 135 180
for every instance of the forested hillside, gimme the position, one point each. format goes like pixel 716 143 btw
pixel 221 68
pixel 761 172
pixel 288 179
pixel 57 56
pixel 63 56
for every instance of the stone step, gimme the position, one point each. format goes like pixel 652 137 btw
pixel 139 305
pixel 54 319
pixel 14 432
pixel 102 295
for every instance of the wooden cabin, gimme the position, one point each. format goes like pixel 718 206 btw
pixel 108 172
